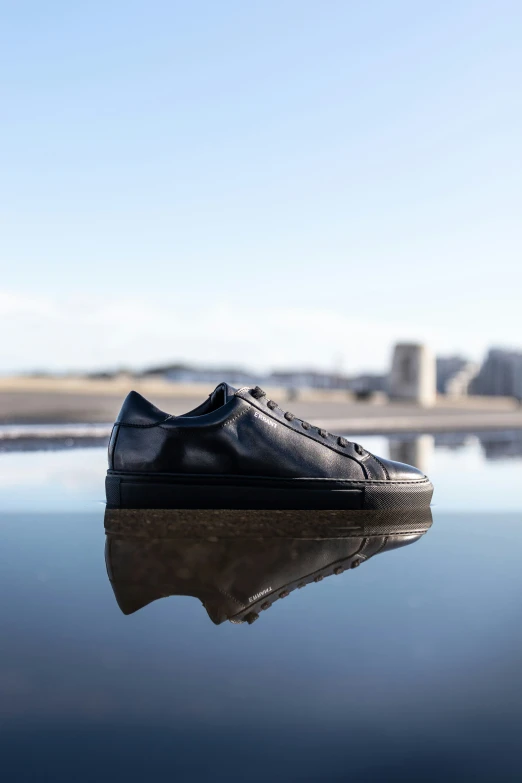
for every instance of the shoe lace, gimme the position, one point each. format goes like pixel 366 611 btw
pixel 258 394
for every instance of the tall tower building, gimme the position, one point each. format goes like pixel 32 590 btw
pixel 413 375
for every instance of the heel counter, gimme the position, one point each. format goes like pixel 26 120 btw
pixel 134 435
pixel 138 411
pixel 112 445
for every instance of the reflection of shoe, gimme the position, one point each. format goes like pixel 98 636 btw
pixel 237 577
pixel 239 450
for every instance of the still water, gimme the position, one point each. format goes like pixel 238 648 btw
pixel 406 667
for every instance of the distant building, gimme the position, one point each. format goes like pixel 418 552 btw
pixel 500 374
pixel 307 379
pixel 455 375
pixel 233 376
pixel 447 367
pixel 368 383
pixel 181 373
pixel 311 379
pixel 412 377
pixel 288 379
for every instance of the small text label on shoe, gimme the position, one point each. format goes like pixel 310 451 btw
pixel 259 595
pixel 268 421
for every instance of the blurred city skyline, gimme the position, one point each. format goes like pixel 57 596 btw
pixel 279 185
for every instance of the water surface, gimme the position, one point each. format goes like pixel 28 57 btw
pixel 405 668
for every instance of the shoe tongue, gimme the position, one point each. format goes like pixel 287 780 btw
pixel 225 391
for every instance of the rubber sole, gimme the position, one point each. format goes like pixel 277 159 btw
pixel 167 491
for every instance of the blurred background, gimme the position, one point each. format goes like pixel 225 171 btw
pixel 322 198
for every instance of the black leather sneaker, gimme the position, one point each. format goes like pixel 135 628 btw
pixel 237 578
pixel 240 450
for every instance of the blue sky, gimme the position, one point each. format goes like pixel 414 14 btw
pixel 258 183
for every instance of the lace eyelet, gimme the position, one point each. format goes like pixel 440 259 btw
pixel 257 393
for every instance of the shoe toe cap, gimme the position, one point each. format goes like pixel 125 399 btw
pixel 399 471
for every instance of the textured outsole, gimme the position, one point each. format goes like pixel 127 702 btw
pixel 131 491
